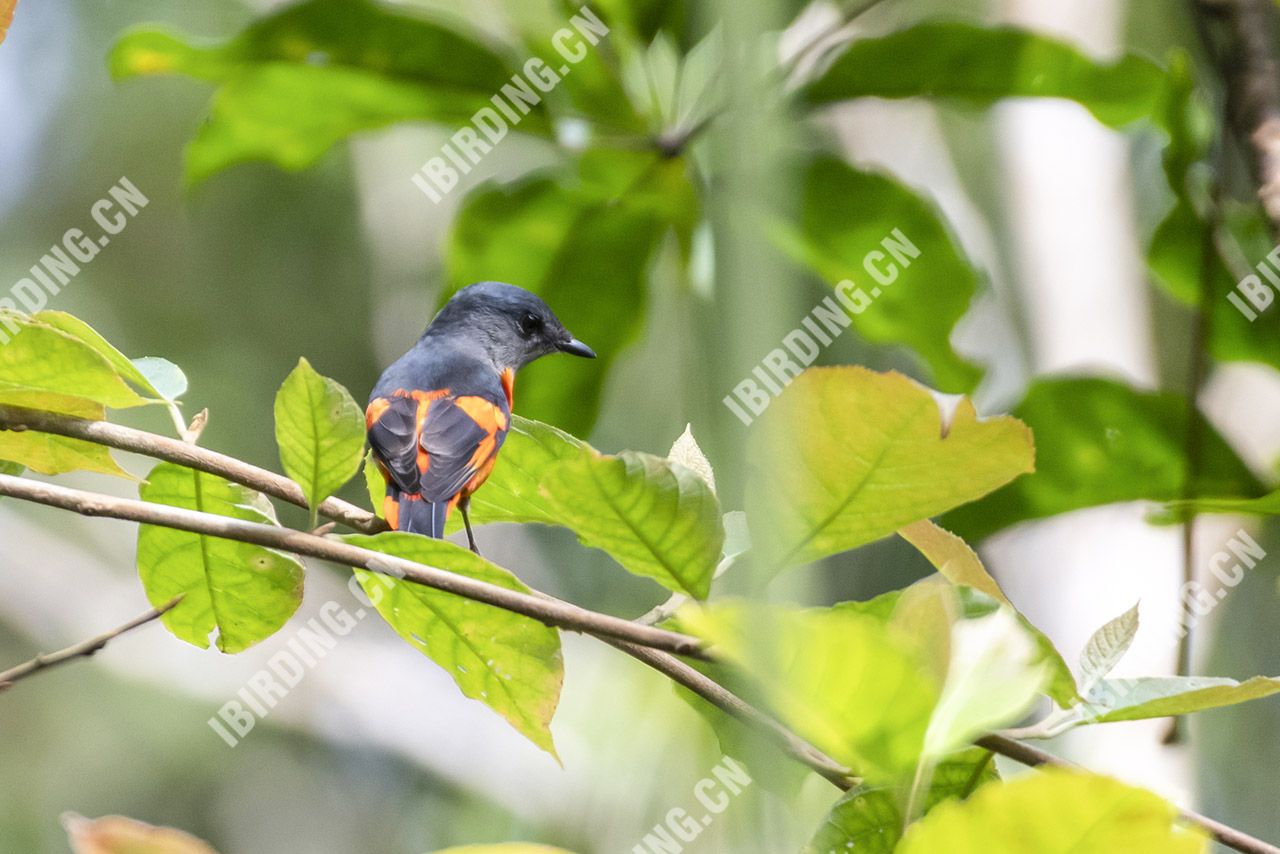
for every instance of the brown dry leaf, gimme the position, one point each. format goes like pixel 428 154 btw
pixel 6 16
pixel 115 834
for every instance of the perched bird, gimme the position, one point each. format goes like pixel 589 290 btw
pixel 438 416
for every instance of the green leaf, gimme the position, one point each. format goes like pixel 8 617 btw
pixel 960 565
pixel 296 82
pixel 507 661
pixel 1164 696
pixel 1087 431
pixel 42 366
pixel 842 679
pixel 656 518
pixel 869 820
pixel 686 452
pixel 1052 811
pixel 847 456
pixel 141 373
pixel 980 66
pixel 845 216
pixel 244 591
pixel 513 492
pixel 320 431
pixel 375 483
pixel 579 241
pixel 1106 647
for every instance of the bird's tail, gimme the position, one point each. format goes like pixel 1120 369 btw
pixel 410 512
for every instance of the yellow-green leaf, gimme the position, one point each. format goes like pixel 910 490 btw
pixel 846 456
pixel 244 591
pixel 1053 811
pixel 320 432
pixel 40 361
pixel 959 564
pixel 1162 696
pixel 655 517
pixel 504 848
pixel 507 661
pixel 840 678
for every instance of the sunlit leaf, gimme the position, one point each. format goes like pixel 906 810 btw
pixel 138 372
pixel 840 678
pixel 504 848
pixel 296 82
pixel 1088 432
pixel 846 456
pixel 507 661
pixel 320 433
pixel 116 834
pixel 869 819
pixel 245 592
pixel 686 452
pixel 1053 811
pixel 960 565
pixel 1163 696
pixel 910 282
pixel 374 483
pixel 1106 647
pixel 583 242
pixel 654 517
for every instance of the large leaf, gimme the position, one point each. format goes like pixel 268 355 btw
pixel 843 679
pixel 869 819
pixel 158 378
pixel 583 243
pixel 320 432
pixel 960 565
pixel 1053 811
pixel 42 366
pixel 507 661
pixel 846 456
pixel 245 592
pixel 980 66
pixel 1102 442
pixel 298 81
pixel 513 492
pixel 869 229
pixel 1163 696
pixel 656 518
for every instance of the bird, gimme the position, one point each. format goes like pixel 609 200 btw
pixel 439 414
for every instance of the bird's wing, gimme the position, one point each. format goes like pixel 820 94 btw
pixel 460 440
pixel 394 424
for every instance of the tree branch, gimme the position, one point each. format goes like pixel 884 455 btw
pixel 648 644
pixel 84 649
pixel 545 609
pixel 192 456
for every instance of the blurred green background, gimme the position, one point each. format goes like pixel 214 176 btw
pixel 344 263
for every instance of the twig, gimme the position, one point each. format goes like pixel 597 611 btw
pixel 720 697
pixel 545 609
pixel 185 454
pixel 84 649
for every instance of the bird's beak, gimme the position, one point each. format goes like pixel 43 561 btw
pixel 574 347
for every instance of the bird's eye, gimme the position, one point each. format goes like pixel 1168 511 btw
pixel 530 324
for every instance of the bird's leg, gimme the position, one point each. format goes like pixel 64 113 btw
pixel 463 504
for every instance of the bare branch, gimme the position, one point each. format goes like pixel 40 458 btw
pixel 84 649
pixel 545 609
pixel 185 454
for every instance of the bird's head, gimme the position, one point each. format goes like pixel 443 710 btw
pixel 511 325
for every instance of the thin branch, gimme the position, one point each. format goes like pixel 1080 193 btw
pixel 720 697
pixel 192 456
pixel 545 609
pixel 84 649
